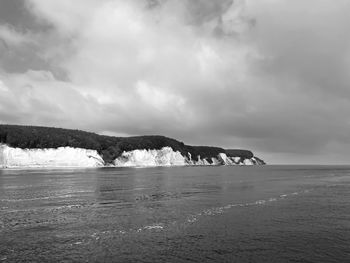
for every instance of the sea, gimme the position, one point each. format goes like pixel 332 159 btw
pixel 176 214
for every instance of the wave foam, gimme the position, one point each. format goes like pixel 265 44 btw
pixel 220 210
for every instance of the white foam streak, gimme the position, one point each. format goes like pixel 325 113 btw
pixel 220 210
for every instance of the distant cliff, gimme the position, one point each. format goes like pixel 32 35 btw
pixel 244 154
pixel 114 150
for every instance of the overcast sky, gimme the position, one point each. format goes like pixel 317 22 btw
pixel 267 75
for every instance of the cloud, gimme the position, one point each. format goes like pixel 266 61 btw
pixel 9 36
pixel 154 61
pixel 36 96
pixel 267 75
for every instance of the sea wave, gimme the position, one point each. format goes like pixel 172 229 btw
pixel 191 219
pixel 222 209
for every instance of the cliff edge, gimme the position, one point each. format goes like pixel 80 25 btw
pixel 35 146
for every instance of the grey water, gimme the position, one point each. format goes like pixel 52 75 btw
pixel 177 214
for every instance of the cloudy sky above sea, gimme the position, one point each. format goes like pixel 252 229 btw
pixel 272 76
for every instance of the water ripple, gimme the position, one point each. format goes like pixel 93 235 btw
pixel 219 210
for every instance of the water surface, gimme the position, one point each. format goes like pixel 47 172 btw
pixel 178 214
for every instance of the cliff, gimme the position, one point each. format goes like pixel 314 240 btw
pixel 60 157
pixel 43 146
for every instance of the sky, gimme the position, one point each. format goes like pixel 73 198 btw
pixel 271 76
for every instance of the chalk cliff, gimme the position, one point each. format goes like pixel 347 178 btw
pixel 76 157
pixel 167 157
pixel 33 146
pixel 60 157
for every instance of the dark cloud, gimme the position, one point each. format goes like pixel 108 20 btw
pixel 271 76
pixel 15 13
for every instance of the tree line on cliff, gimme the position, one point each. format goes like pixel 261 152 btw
pixel 109 147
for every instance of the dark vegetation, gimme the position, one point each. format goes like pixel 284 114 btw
pixel 241 153
pixel 109 147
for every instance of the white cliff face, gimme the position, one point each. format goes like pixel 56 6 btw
pixel 147 158
pixel 60 157
pixel 77 157
pixel 167 157
pixel 215 161
pixel 249 161
pixel 225 159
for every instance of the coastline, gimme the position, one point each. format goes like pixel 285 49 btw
pixel 78 158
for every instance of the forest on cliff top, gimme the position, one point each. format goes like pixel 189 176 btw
pixel 109 147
